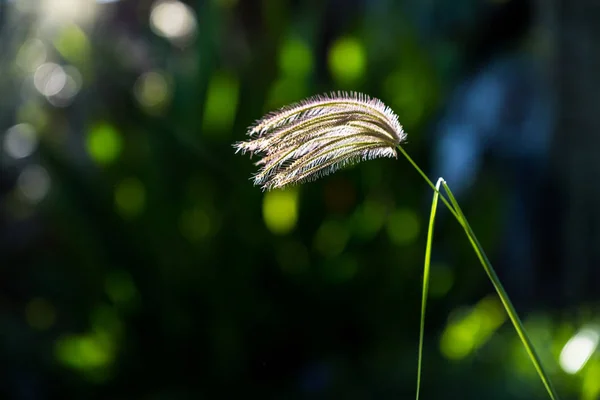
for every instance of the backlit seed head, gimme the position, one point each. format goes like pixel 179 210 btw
pixel 319 135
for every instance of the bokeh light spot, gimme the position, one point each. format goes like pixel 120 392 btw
pixel 280 210
pixel 173 20
pixel 221 102
pixel 368 219
pixel 20 141
pixel 152 91
pixel 412 92
pixel 130 197
pixel 458 340
pixel 49 79
pixel 295 58
pixel 92 353
pixel 61 12
pixel 65 95
pixel 40 314
pixel 590 389
pixel 468 330
pixel 34 183
pixel 403 226
pixel 578 350
pixel 33 113
pixel 31 55
pixel 84 351
pixel 73 44
pixel 331 238
pixel 104 143
pixel 347 60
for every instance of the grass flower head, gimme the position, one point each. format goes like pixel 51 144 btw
pixel 319 135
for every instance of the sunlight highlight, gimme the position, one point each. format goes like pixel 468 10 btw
pixel 49 79
pixel 62 11
pixel 174 21
pixel 578 350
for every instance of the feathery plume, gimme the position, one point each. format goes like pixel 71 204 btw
pixel 319 135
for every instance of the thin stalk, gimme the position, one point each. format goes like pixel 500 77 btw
pixel 487 266
pixel 426 271
pixel 512 313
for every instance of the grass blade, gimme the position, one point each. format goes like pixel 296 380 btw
pixel 426 270
pixel 512 314
pixel 456 211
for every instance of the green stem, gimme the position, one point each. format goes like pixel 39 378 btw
pixel 487 266
pixel 510 309
pixel 426 272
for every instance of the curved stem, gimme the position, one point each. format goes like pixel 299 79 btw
pixel 508 306
pixel 455 209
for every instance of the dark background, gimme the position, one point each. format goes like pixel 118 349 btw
pixel 139 262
